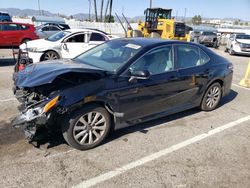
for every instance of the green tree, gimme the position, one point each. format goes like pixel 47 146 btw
pixel 236 22
pixel 112 20
pixel 196 20
pixel 246 23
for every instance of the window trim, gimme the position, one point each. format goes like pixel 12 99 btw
pixel 176 58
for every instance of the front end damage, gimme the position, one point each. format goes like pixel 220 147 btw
pixel 36 118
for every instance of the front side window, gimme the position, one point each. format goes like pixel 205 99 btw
pixel 10 27
pixel 53 28
pixel 156 62
pixel 190 56
pixel 76 38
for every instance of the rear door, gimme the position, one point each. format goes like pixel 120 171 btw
pixel 194 72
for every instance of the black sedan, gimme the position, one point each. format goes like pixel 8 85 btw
pixel 118 84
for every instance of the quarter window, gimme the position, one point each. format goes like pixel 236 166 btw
pixel 156 62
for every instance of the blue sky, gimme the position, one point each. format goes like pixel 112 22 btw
pixel 206 8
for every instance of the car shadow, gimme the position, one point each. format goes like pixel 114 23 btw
pixel 57 138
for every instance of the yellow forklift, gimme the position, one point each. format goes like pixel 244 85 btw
pixel 159 24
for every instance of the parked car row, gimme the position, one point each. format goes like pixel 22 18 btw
pixel 64 44
pixel 238 44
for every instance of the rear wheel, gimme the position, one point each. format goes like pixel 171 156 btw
pixel 87 127
pixel 50 55
pixel 155 35
pixel 212 97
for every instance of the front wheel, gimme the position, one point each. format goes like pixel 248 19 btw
pixel 87 127
pixel 50 55
pixel 212 97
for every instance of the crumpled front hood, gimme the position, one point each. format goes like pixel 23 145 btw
pixel 39 43
pixel 44 73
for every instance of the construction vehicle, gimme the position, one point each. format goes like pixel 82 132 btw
pixel 159 24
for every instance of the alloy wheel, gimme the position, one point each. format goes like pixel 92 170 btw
pixel 213 96
pixel 50 56
pixel 89 128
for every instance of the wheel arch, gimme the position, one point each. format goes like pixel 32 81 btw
pixel 49 50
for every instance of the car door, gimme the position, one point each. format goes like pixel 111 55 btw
pixel 10 34
pixel 194 72
pixel 74 45
pixel 154 95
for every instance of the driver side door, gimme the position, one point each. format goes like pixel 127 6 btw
pixel 147 97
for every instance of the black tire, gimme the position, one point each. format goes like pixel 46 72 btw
pixel 155 35
pixel 50 55
pixel 211 97
pixel 231 51
pixel 88 131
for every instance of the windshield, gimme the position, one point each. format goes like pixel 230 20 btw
pixel 111 55
pixel 242 36
pixel 58 36
pixel 208 33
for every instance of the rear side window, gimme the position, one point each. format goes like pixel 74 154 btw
pixel 190 56
pixel 24 27
pixel 53 28
pixel 97 37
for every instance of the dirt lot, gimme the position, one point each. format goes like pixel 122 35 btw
pixel 188 149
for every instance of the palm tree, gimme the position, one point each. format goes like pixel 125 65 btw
pixel 96 18
pixel 101 10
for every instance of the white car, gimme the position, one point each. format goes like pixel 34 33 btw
pixel 64 44
pixel 238 44
pixel 79 42
pixel 45 49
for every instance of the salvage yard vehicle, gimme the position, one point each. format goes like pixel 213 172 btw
pixel 208 38
pixel 14 34
pixel 118 84
pixel 49 29
pixel 5 17
pixel 80 42
pixel 64 44
pixel 238 44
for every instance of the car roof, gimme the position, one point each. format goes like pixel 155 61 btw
pixel 16 23
pixel 84 30
pixel 152 41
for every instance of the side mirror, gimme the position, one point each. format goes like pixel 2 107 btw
pixel 141 74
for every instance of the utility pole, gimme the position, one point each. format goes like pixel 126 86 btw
pixel 184 19
pixel 151 2
pixel 39 8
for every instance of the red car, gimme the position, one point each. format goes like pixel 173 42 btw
pixel 14 34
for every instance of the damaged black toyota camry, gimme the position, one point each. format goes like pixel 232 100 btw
pixel 117 84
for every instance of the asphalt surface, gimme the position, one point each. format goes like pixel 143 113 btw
pixel 144 155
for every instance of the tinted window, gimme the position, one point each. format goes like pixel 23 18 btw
pixel 53 28
pixel 242 36
pixel 156 62
pixel 76 38
pixel 45 28
pixel 24 27
pixel 97 37
pixel 10 27
pixel 190 56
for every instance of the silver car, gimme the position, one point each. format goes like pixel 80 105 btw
pixel 48 29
